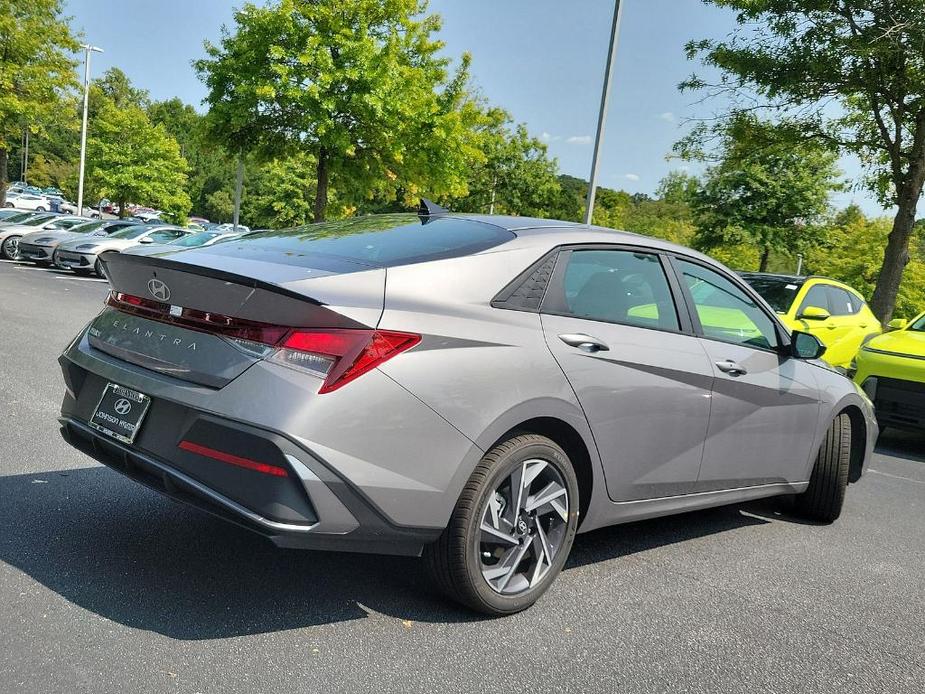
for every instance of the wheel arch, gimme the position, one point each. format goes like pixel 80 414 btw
pixel 573 443
pixel 859 435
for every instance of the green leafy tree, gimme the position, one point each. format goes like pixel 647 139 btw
pixel 219 206
pixel 132 161
pixel 359 86
pixel 764 189
pixel 866 56
pixel 117 87
pixel 512 175
pixel 36 70
pixel 853 253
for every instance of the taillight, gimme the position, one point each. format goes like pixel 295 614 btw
pixel 335 355
pixel 340 356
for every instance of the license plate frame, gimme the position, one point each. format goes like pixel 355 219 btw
pixel 120 412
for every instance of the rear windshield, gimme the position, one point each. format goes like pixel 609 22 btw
pixel 779 292
pixel 375 241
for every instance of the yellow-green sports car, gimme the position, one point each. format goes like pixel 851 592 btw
pixel 830 310
pixel 891 370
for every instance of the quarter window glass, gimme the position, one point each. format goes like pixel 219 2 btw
pixel 618 287
pixel 816 296
pixel 725 311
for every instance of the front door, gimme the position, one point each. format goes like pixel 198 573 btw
pixel 765 404
pixel 610 320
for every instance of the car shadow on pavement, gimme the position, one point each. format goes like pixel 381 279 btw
pixel 129 555
pixel 909 445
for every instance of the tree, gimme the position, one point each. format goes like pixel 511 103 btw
pixel 219 206
pixel 36 70
pixel 131 160
pixel 117 87
pixel 853 253
pixel 359 86
pixel 764 189
pixel 866 56
pixel 513 175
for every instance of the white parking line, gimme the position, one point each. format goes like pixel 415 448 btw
pixel 80 279
pixel 897 477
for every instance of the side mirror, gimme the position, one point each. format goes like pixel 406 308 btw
pixel 814 313
pixel 897 324
pixel 146 239
pixel 806 346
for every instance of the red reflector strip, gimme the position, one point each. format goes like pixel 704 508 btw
pixel 223 457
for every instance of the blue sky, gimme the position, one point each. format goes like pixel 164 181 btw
pixel 542 60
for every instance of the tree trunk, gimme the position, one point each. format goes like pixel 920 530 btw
pixel 122 209
pixel 896 255
pixel 765 257
pixel 321 190
pixel 4 162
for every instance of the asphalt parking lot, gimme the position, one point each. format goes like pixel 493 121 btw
pixel 107 587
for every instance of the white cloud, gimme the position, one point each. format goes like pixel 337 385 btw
pixel 667 116
pixel 579 140
pixel 631 177
pixel 546 137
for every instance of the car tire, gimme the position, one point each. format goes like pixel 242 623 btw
pixel 40 209
pixel 7 204
pixel 98 269
pixel 503 577
pixel 9 248
pixel 824 497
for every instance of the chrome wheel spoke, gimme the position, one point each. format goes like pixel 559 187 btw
pixel 552 492
pixel 497 535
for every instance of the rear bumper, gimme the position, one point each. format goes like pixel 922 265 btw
pixel 336 521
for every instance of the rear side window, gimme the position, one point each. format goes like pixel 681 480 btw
pixel 615 286
pixel 376 240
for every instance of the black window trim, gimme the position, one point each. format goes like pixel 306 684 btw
pixel 783 335
pixel 558 274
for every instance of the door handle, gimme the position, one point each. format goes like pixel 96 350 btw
pixel 584 342
pixel 730 367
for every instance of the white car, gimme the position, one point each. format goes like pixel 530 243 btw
pixel 28 201
pixel 11 233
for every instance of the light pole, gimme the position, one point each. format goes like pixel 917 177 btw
pixel 602 116
pixel 88 49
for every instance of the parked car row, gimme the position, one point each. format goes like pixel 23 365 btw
pixel 75 243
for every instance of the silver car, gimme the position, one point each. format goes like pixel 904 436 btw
pixel 12 232
pixel 474 388
pixel 193 240
pixel 40 246
pixel 82 255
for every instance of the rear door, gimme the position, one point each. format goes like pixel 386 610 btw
pixel 765 404
pixel 643 380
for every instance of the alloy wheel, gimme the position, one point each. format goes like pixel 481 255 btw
pixel 523 526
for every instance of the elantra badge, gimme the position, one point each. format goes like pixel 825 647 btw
pixel 159 290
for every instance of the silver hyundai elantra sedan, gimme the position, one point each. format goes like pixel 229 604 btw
pixel 476 389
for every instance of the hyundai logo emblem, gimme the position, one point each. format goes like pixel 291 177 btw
pixel 159 290
pixel 122 406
